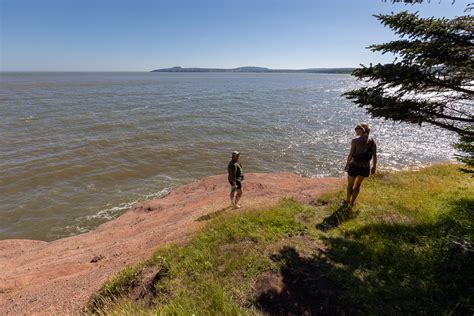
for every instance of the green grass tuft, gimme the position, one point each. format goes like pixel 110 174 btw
pixel 114 288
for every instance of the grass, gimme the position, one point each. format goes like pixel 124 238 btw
pixel 405 248
pixel 114 288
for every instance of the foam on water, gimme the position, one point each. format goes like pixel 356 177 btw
pixel 86 223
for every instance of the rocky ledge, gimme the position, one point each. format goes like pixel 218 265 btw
pixel 59 277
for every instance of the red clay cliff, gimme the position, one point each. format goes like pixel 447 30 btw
pixel 59 277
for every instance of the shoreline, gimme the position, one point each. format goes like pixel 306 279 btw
pixel 73 268
pixel 166 191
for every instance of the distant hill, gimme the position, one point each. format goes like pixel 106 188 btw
pixel 259 69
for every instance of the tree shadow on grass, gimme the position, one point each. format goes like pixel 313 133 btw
pixel 341 215
pixel 307 288
pixel 381 268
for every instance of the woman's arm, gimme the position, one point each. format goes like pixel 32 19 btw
pixel 349 157
pixel 374 159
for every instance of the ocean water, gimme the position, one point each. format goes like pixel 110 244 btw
pixel 78 149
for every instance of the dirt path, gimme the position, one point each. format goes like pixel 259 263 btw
pixel 59 277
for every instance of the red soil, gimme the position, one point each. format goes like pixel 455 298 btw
pixel 59 277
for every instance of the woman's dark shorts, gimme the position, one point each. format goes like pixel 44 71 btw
pixel 238 183
pixel 355 171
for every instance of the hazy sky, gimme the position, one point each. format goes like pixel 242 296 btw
pixel 141 35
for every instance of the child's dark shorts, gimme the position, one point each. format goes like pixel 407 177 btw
pixel 238 183
pixel 355 171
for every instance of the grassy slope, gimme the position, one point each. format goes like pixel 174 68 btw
pixel 401 250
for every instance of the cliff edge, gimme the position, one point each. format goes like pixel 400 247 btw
pixel 59 277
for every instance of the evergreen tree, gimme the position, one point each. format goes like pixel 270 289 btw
pixel 431 79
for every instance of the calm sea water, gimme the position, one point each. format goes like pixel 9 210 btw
pixel 78 149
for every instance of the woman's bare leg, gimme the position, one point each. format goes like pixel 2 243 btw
pixel 350 188
pixel 356 189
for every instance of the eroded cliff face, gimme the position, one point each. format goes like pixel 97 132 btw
pixel 59 277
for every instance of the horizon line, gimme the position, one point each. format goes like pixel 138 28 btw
pixel 338 67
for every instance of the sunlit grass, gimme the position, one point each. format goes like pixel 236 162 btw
pixel 396 252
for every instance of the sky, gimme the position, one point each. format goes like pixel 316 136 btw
pixel 142 35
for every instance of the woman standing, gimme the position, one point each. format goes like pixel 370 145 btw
pixel 363 149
